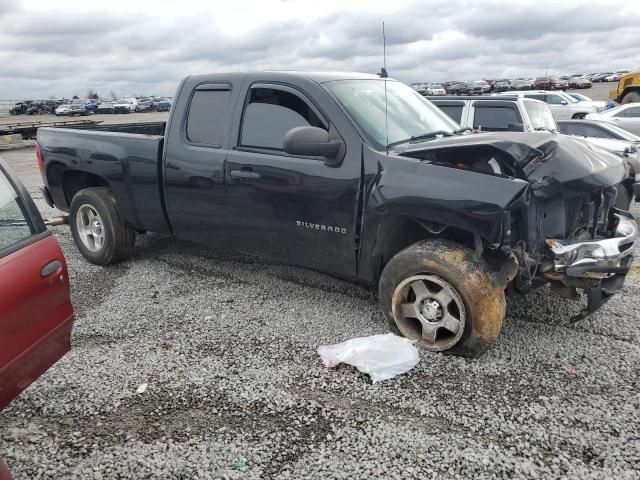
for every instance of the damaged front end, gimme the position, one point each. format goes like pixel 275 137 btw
pixel 564 228
pixel 597 265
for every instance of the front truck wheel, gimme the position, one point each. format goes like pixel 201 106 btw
pixel 441 295
pixel 100 233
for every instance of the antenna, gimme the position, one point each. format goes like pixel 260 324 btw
pixel 383 74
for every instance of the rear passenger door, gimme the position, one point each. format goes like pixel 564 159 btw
pixel 194 161
pixel 35 307
pixel 496 116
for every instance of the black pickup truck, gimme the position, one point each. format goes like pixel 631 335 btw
pixel 358 177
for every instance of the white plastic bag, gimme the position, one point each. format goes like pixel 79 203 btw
pixel 380 356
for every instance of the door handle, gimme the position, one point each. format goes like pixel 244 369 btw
pixel 244 174
pixel 50 268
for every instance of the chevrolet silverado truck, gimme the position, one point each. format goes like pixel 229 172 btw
pixel 359 177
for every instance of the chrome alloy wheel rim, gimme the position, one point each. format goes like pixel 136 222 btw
pixel 428 310
pixel 90 228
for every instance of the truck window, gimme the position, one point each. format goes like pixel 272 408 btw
pixel 270 113
pixel 537 96
pixel 453 111
pixel 583 130
pixel 494 118
pixel 632 112
pixel 540 115
pixel 14 224
pixel 207 113
pixel 555 100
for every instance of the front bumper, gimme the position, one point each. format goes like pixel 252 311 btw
pixel 597 259
pixel 597 266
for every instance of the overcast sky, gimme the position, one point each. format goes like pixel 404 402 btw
pixel 65 47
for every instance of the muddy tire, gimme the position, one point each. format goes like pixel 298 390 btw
pixel 631 97
pixel 441 295
pixel 98 230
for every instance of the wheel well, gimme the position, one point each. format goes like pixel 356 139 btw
pixel 629 89
pixel 405 231
pixel 73 181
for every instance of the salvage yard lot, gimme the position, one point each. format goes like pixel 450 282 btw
pixel 226 345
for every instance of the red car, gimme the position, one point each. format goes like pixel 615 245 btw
pixel 35 304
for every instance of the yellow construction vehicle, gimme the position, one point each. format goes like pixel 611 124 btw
pixel 628 89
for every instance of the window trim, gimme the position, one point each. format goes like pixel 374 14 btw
pixel 285 87
pixel 206 86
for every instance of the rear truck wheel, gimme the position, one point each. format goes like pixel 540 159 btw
pixel 100 233
pixel 631 97
pixel 442 296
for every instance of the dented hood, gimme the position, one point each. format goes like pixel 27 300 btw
pixel 545 159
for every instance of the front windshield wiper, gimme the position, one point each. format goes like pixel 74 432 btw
pixel 545 129
pixel 425 136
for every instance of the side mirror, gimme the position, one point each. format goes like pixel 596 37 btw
pixel 515 127
pixel 312 141
pixel 563 102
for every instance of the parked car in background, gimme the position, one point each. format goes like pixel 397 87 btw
pixel 519 85
pixel 562 107
pixel 161 104
pixel 106 107
pixel 505 113
pixel 457 88
pixel 501 86
pixel 625 116
pixel 597 129
pixel 435 89
pixel 544 83
pixel 64 109
pixel 484 85
pixel 600 77
pixel 579 82
pixel 558 84
pixel 125 105
pixel 144 104
pixel 81 107
pixel 602 104
pixel 20 108
pixel 613 139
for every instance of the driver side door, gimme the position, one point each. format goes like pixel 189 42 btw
pixel 289 207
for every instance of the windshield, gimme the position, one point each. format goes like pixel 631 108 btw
pixel 409 114
pixel 540 116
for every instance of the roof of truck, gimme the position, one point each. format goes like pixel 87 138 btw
pixel 319 77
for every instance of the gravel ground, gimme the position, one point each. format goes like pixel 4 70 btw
pixel 227 347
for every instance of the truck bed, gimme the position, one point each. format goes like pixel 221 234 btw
pixel 127 156
pixel 155 128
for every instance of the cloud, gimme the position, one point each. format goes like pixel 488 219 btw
pixel 148 46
